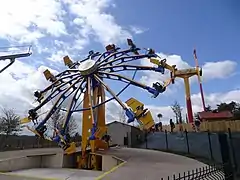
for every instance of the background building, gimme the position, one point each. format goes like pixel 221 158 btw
pixel 124 134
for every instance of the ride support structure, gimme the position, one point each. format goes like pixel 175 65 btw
pixel 185 74
pixel 84 88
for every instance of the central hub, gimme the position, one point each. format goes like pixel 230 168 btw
pixel 87 67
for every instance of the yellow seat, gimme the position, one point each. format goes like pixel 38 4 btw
pixel 143 116
pixel 71 149
pixel 25 120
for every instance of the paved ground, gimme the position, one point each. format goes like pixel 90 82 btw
pixel 59 174
pixel 148 164
pixel 141 164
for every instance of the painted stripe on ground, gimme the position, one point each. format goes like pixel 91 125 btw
pixel 110 171
pixel 24 176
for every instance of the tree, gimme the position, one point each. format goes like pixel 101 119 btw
pixel 208 108
pixel 233 107
pixel 159 116
pixel 57 121
pixel 9 122
pixel 122 116
pixel 177 110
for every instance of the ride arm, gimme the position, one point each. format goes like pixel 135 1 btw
pixel 58 81
pixel 129 113
pixel 67 72
pixel 72 106
pixel 121 91
pixel 163 63
pixel 113 52
pixel 115 55
pixel 41 128
pixel 33 112
pixel 123 67
pixel 107 55
pixel 60 100
pixel 53 94
pixel 126 58
pixel 118 77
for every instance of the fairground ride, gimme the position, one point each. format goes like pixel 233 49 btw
pixel 12 57
pixel 86 77
pixel 185 74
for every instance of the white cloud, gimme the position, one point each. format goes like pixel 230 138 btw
pixel 28 20
pixel 58 56
pixel 219 69
pixel 138 30
pixel 215 98
pixel 60 26
pixel 211 70
pixel 92 19
pixel 18 83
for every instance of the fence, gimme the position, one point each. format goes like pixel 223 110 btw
pixel 204 173
pixel 214 126
pixel 27 142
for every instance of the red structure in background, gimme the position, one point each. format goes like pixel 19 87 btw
pixel 215 116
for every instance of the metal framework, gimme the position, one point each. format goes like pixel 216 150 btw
pixel 12 57
pixel 86 77
pixel 185 74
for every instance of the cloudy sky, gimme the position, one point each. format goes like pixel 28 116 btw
pixel 56 28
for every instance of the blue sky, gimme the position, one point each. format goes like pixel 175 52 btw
pixel 170 27
pixel 176 27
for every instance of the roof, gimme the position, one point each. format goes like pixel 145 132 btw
pixel 118 122
pixel 215 115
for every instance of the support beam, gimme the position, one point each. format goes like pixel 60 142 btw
pixel 188 100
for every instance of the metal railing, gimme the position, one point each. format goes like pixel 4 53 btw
pixel 213 172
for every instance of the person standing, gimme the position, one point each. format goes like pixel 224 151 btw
pixel 160 126
pixel 172 125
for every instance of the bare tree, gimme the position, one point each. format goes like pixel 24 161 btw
pixel 57 121
pixel 177 110
pixel 9 122
pixel 72 127
pixel 122 117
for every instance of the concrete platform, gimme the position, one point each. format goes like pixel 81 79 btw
pixel 138 163
pixel 148 164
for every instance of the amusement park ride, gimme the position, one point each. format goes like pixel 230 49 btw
pixel 83 87
pixel 185 74
pixel 87 77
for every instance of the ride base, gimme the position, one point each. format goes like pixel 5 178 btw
pixel 117 163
